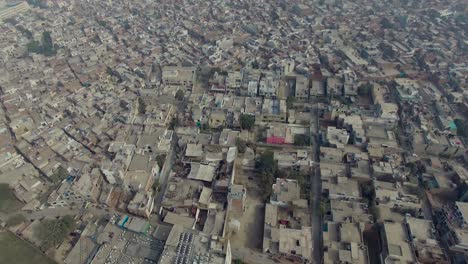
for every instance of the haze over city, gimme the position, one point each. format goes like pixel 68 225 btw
pixel 233 131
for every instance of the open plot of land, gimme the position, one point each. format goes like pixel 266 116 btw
pixel 8 201
pixel 250 234
pixel 15 250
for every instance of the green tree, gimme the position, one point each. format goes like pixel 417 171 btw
pixel 126 25
pixel 46 47
pixel 160 159
pixel 365 89
pixel 47 44
pixel 255 64
pixel 241 145
pixel 59 174
pixel 156 185
pixel 387 51
pixel 385 23
pixel 268 170
pixel 290 102
pixel 34 47
pixel 247 122
pixel 180 95
pixel 52 232
pixel 461 127
pixel 301 140
pixel 402 20
pixel 141 106
pixel 174 123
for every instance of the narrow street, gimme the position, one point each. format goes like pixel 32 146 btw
pixel 164 177
pixel 167 168
pixel 316 188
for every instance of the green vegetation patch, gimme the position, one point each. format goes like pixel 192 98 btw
pixel 53 232
pixel 59 175
pixel 8 201
pixel 15 250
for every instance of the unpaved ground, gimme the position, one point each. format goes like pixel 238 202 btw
pixel 250 234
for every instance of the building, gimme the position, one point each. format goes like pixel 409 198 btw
pixel 302 88
pixel 236 198
pixel 178 76
pixel 425 242
pixel 337 137
pixel 269 85
pixel 395 244
pixel 407 90
pixel 285 192
pixel 274 110
pixel 142 204
pixel 344 243
pixel 234 80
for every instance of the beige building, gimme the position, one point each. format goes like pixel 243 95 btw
pixel 274 110
pixel 178 76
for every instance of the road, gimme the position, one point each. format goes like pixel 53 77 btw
pixel 316 189
pixel 164 177
pixel 167 168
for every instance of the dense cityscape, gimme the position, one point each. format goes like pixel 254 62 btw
pixel 233 131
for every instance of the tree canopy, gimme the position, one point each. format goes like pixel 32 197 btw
pixel 301 140
pixel 247 122
pixel 52 232
pixel 45 47
pixel 268 170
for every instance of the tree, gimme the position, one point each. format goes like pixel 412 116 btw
pixel 59 174
pixel 126 25
pixel 34 47
pixel 402 20
pixel 47 44
pixel 46 47
pixel 174 123
pixel 160 159
pixel 180 95
pixel 301 140
pixel 26 32
pixel 255 64
pixel 385 23
pixel 37 3
pixel 156 186
pixel 462 130
pixel 368 191
pixel 365 89
pixel 266 163
pixel 290 102
pixel 247 122
pixel 241 145
pixel 387 51
pixel 141 106
pixel 52 232
pixel 268 170
pixel 274 15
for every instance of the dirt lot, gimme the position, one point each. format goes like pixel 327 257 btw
pixel 15 250
pixel 250 234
